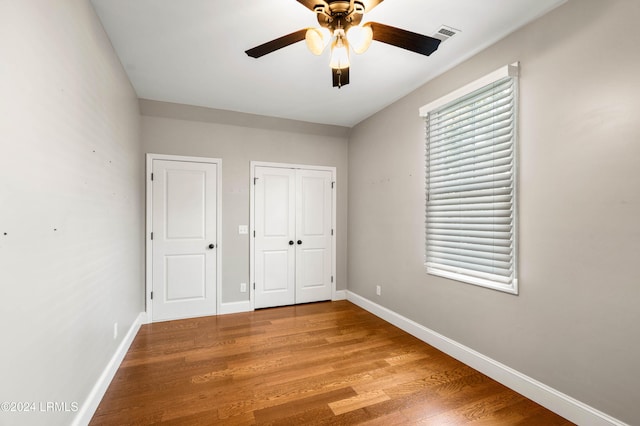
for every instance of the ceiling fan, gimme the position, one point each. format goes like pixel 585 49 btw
pixel 340 24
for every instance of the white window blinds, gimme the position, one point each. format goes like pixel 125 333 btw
pixel 470 185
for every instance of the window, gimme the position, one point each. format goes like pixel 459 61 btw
pixel 471 182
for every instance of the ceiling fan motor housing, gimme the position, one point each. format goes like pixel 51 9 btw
pixel 339 14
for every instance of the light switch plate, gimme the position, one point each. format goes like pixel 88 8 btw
pixel 243 229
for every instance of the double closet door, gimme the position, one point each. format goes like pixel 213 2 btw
pixel 293 219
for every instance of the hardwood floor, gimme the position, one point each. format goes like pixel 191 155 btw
pixel 318 364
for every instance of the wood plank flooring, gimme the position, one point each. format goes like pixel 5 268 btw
pixel 326 363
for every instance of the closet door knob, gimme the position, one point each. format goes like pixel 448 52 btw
pixel 291 242
pixel 212 246
pixel 299 242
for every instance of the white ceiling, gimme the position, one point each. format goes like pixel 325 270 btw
pixel 192 52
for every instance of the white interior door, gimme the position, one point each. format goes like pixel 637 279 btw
pixel 313 235
pixel 275 206
pixel 293 242
pixel 184 239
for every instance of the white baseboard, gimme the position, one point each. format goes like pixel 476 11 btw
pixel 556 401
pixel 340 295
pixel 235 307
pixel 90 405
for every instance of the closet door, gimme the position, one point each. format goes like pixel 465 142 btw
pixel 313 235
pixel 293 241
pixel 275 211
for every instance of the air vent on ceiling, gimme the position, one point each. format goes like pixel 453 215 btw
pixel 445 32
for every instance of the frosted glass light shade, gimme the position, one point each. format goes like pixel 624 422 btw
pixel 339 54
pixel 360 38
pixel 317 39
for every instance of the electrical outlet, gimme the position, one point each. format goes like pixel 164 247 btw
pixel 243 229
pixel 115 330
pixel 243 287
pixel 378 290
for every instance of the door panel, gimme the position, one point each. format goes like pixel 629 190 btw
pixel 276 266
pixel 184 224
pixel 313 230
pixel 274 194
pixel 312 212
pixel 277 212
pixel 190 272
pixel 313 268
pixel 185 192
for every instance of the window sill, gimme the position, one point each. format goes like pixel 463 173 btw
pixel 511 288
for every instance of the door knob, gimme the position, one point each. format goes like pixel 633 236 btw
pixel 291 242
pixel 212 246
pixel 299 242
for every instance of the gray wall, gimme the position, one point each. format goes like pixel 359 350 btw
pixel 576 323
pixel 71 205
pixel 238 139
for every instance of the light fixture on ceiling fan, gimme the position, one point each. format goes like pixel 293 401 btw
pixel 340 25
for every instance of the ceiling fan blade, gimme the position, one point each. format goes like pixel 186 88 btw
pixel 340 77
pixel 279 43
pixel 311 4
pixel 414 42
pixel 370 4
